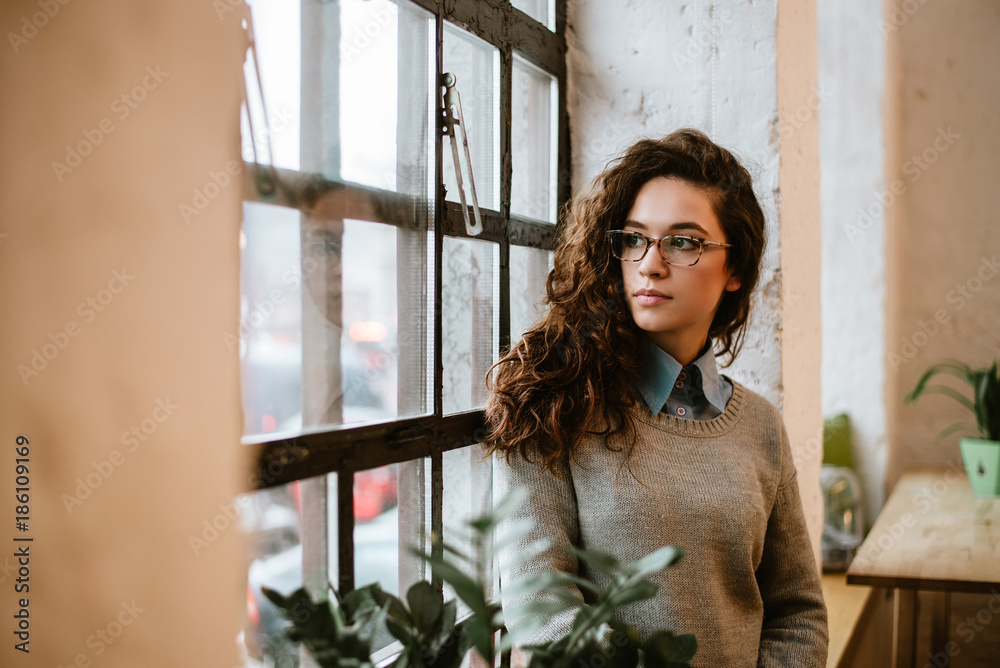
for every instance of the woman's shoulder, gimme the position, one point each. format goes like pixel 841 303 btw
pixel 754 405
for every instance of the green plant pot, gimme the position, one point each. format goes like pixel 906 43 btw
pixel 982 465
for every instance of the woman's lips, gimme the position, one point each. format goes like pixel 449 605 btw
pixel 650 300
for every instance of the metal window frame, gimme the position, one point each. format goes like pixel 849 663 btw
pixel 345 449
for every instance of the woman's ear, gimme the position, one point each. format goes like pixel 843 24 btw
pixel 733 284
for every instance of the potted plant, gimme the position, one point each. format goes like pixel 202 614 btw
pixel 338 631
pixel 980 453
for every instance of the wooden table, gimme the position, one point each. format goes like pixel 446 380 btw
pixel 933 535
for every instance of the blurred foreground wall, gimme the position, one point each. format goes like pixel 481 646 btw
pixel 113 362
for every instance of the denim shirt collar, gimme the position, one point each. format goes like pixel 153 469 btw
pixel 661 372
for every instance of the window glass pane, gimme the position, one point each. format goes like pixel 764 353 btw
pixel 534 98
pixel 322 297
pixel 341 111
pixel 269 339
pixel 278 43
pixel 390 517
pixel 385 87
pixel 468 493
pixel 271 518
pixel 470 320
pixel 529 267
pixel 542 11
pixel 476 66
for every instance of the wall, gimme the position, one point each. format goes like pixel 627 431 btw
pixel 852 146
pixel 944 243
pixel 647 68
pixel 114 363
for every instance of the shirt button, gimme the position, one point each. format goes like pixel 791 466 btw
pixel 681 410
pixel 682 375
pixel 679 384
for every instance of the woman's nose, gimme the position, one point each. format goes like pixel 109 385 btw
pixel 653 263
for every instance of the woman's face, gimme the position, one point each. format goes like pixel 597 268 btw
pixel 678 313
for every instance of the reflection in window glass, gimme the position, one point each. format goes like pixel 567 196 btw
pixel 542 11
pixel 467 494
pixel 318 336
pixel 534 99
pixel 529 267
pixel 470 320
pixel 269 339
pixel 272 520
pixel 476 66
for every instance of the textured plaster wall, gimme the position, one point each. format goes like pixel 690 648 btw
pixel 128 305
pixel 645 68
pixel 852 147
pixel 944 229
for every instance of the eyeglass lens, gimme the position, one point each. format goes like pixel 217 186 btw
pixel 632 246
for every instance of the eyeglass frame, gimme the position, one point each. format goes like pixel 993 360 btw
pixel 650 241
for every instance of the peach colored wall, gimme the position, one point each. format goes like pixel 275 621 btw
pixel 147 352
pixel 943 128
pixel 798 175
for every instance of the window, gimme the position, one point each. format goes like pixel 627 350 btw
pixel 369 315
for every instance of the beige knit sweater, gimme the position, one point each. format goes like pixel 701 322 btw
pixel 723 489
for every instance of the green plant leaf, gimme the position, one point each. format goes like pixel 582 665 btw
pixel 465 587
pixel 549 580
pixel 950 392
pixel 654 562
pixel 622 646
pixel 597 560
pixel 425 606
pixel 666 650
pixel 640 590
pixel 954 367
pixel 948 431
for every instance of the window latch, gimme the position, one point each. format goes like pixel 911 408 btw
pixel 453 118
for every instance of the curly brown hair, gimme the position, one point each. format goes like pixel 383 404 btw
pixel 582 362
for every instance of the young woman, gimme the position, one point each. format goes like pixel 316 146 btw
pixel 613 412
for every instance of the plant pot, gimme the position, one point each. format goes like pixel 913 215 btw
pixel 982 464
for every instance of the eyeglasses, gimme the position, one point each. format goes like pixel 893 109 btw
pixel 674 248
pixel 323 250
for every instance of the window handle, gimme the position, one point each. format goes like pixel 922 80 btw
pixel 452 118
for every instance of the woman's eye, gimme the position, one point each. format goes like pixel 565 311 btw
pixel 633 241
pixel 683 243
